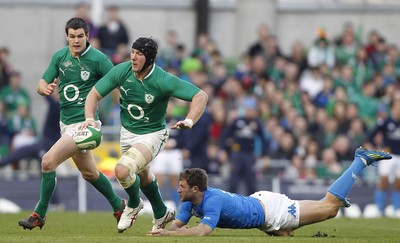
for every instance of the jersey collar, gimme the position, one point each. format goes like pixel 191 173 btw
pixel 88 46
pixel 152 69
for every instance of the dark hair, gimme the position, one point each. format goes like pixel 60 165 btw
pixel 76 23
pixel 195 177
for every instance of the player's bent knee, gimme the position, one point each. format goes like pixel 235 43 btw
pixel 128 166
pixel 127 181
pixel 47 164
pixel 121 171
pixel 89 175
pixel 332 211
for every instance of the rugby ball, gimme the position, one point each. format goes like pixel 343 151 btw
pixel 88 138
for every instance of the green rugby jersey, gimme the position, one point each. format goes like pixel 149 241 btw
pixel 144 103
pixel 77 76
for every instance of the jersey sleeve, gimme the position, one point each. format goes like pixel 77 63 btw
pixel 180 88
pixel 184 213
pixel 212 211
pixel 105 66
pixel 52 70
pixel 110 81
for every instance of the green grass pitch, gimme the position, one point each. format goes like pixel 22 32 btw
pixel 99 227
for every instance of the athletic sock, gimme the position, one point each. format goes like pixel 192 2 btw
pixel 342 186
pixel 133 193
pixel 396 200
pixel 103 185
pixel 47 187
pixel 153 194
pixel 380 200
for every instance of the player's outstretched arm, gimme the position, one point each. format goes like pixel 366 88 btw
pixel 199 230
pixel 92 101
pixel 197 107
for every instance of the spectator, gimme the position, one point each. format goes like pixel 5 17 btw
pixel 50 135
pixel 345 52
pixel 5 135
pixel 239 142
pixel 298 56
pixel 326 94
pixel 286 148
pixel 357 133
pixel 311 82
pixel 23 127
pixel 196 140
pixel 82 11
pixel 330 167
pixel 321 52
pixel 168 53
pixel 6 68
pixel 363 68
pixel 372 42
pixel 341 146
pixel 169 162
pixel 260 46
pixel 113 33
pixel 14 93
pixel 390 130
pixel 374 47
pixel 295 170
pixel 367 103
pixel 312 156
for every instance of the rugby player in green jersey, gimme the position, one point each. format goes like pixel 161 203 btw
pixel 77 67
pixel 145 90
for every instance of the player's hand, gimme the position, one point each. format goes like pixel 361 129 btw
pixel 87 123
pixel 50 88
pixel 158 232
pixel 185 124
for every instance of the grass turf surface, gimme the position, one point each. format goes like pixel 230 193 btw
pixel 96 227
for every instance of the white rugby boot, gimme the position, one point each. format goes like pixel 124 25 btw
pixel 162 222
pixel 128 217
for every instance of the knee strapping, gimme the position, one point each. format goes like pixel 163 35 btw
pixel 135 162
pixel 127 181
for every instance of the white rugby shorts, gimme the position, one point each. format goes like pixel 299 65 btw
pixel 72 128
pixel 390 168
pixel 280 211
pixel 168 162
pixel 154 141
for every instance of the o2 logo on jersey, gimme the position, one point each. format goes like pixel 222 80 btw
pixel 148 98
pixel 85 75
pixel 68 97
pixel 137 109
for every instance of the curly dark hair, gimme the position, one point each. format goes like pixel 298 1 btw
pixel 195 177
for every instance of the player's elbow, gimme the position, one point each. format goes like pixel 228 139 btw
pixel 205 230
pixel 94 95
pixel 203 96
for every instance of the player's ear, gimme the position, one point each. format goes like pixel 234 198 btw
pixel 195 188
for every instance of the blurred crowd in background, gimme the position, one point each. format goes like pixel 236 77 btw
pixel 307 110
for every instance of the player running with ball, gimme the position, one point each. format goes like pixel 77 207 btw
pixel 78 67
pixel 145 90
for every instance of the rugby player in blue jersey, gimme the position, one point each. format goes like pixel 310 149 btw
pixel 273 213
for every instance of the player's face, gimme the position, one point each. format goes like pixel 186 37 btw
pixel 77 41
pixel 185 191
pixel 138 60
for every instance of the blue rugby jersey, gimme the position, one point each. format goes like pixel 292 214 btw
pixel 224 210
